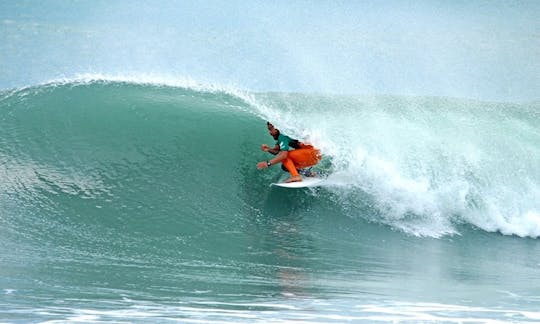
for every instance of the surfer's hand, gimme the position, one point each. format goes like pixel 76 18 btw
pixel 265 147
pixel 262 165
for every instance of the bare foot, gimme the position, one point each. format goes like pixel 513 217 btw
pixel 294 179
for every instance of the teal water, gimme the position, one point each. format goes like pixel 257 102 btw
pixel 140 202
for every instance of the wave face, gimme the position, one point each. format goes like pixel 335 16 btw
pixel 117 149
pixel 130 199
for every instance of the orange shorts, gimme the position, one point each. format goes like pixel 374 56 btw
pixel 301 158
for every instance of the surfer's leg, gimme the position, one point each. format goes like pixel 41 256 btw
pixel 299 159
pixel 305 157
pixel 289 165
pixel 306 172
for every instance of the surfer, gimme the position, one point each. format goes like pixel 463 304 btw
pixel 293 154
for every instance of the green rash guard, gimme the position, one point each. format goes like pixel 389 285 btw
pixel 283 142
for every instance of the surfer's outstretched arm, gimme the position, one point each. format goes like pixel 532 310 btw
pixel 279 158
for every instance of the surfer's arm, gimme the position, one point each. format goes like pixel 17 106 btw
pixel 282 155
pixel 279 157
pixel 274 150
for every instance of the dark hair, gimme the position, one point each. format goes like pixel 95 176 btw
pixel 294 143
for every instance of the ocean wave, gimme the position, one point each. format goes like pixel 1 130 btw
pixel 420 165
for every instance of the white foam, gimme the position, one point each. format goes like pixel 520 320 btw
pixel 423 167
pixel 295 311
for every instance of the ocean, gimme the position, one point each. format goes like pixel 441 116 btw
pixel 135 198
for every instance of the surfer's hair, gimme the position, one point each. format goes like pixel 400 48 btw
pixel 276 136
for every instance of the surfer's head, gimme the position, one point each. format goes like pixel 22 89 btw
pixel 274 132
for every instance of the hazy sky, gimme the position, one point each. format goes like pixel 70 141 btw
pixel 475 49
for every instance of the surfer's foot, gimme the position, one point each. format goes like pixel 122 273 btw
pixel 294 179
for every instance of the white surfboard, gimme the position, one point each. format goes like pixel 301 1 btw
pixel 305 183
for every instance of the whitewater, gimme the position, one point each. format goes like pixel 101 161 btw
pixel 130 134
